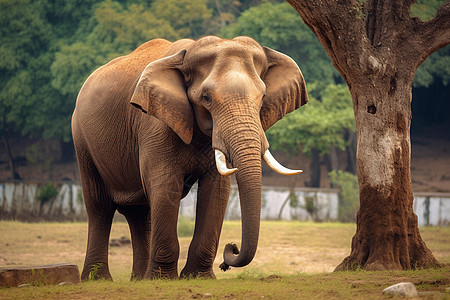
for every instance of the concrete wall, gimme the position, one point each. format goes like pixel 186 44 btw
pixel 279 204
pixel 432 208
pixel 19 201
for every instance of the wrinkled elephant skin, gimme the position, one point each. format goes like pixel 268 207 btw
pixel 188 99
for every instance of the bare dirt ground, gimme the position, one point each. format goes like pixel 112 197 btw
pixel 284 247
pixel 430 167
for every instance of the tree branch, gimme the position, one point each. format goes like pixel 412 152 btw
pixel 336 24
pixel 386 17
pixel 434 34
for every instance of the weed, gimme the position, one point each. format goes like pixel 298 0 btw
pixel 252 273
pixel 47 192
pixel 93 273
pixel 80 199
pixel 348 194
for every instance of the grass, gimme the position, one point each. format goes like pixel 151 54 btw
pixel 249 285
pixel 294 260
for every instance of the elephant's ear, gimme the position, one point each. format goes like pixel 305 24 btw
pixel 285 88
pixel 161 92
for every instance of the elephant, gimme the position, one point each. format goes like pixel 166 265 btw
pixel 148 125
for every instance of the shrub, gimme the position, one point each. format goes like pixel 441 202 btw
pixel 47 192
pixel 348 194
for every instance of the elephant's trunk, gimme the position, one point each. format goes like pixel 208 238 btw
pixel 249 182
pixel 243 140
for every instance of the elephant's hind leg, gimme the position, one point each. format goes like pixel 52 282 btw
pixel 138 218
pixel 96 261
pixel 100 210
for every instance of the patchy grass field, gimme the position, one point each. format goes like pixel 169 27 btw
pixel 294 260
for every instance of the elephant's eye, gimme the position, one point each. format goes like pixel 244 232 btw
pixel 206 98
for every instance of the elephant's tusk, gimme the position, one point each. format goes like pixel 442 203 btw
pixel 221 164
pixel 276 166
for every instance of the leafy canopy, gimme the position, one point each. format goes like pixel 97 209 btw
pixel 286 33
pixel 318 125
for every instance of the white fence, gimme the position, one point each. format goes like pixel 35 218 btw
pixel 432 208
pixel 279 204
pixel 20 201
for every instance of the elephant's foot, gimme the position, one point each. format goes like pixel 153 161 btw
pixel 161 274
pixel 204 275
pixel 96 272
pixel 208 274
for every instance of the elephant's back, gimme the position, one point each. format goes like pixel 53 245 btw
pixel 113 84
pixel 104 121
pixel 135 62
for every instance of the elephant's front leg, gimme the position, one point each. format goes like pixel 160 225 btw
pixel 164 250
pixel 213 193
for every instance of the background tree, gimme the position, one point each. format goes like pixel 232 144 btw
pixel 318 129
pixel 25 38
pixel 185 16
pixel 377 47
pixel 287 33
pixel 50 47
pixel 117 31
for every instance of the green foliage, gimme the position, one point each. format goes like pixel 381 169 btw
pixel 25 37
pixel 293 200
pixel 185 227
pixel 29 104
pixel 118 31
pixel 80 198
pixel 123 28
pixel 348 194
pixel 436 67
pixel 72 65
pixel 288 34
pixel 41 154
pixel 310 206
pixel 47 192
pixel 185 16
pixel 425 9
pixel 317 125
pixel 93 272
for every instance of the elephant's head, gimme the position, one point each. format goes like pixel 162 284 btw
pixel 234 90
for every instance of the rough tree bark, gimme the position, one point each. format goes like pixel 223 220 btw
pixel 12 164
pixel 377 47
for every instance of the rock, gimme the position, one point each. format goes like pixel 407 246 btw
pixel 120 242
pixel 125 240
pixel 406 289
pixel 47 274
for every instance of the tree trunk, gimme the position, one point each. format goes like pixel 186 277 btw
pixel 377 46
pixel 351 153
pixel 12 165
pixel 387 235
pixel 67 152
pixel 314 180
pixel 333 159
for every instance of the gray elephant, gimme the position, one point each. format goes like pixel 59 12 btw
pixel 207 104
